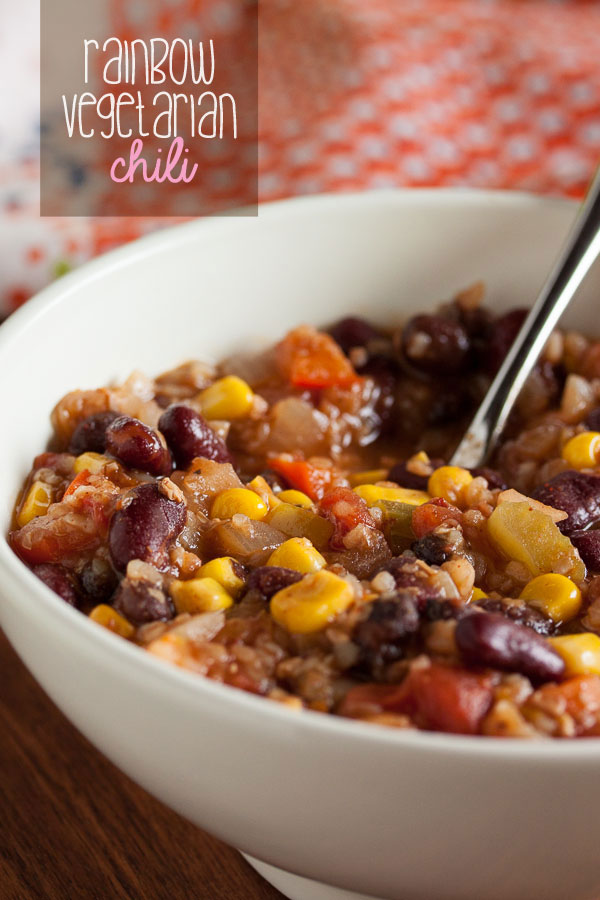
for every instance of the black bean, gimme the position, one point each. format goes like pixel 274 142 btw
pixel 436 345
pixel 383 636
pixel 404 478
pixel 145 527
pixel 521 613
pixel 408 576
pixel 577 494
pixel 142 601
pixel 486 639
pixel 441 609
pixel 90 435
pixel 593 420
pixel 189 435
pixel 267 580
pixel 432 549
pixel 98 580
pixel 138 446
pixel 60 580
pixel 353 332
pixel 502 336
pixel 588 544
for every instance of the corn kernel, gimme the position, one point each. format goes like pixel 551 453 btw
pixel 478 594
pixel 373 493
pixel 199 595
pixel 310 604
pixel 223 570
pixel 583 450
pixel 556 595
pixel 36 503
pixel 370 477
pixel 449 482
pixel 296 498
pixel 109 618
pixel 238 501
pixel 93 462
pixel 580 652
pixel 228 398
pixel 264 490
pixel 298 554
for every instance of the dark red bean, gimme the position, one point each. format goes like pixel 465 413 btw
pixel 267 580
pixel 432 549
pixel 142 601
pixel 409 576
pixel 577 494
pixel 60 580
pixel 353 332
pixel 593 420
pixel 404 478
pixel 145 527
pixel 588 544
pixel 493 478
pixel 521 613
pixel 90 435
pixel 189 435
pixel 98 580
pixel 436 345
pixel 487 639
pixel 502 336
pixel 138 446
pixel 383 636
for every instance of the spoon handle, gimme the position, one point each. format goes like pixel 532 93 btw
pixel 580 251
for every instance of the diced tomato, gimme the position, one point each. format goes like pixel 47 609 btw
pixel 302 475
pixel 436 512
pixel 51 539
pixel 345 510
pixel 581 696
pixel 312 359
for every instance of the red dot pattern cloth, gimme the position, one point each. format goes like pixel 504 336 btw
pixel 354 96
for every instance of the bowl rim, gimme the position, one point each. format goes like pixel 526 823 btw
pixel 117 649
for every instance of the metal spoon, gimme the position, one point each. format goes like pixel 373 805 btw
pixel 580 251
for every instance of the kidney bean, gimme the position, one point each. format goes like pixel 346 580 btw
pixel 436 345
pixel 577 494
pixel 353 332
pixel 90 434
pixel 432 549
pixel 487 639
pixel 60 580
pixel 593 420
pixel 267 580
pixel 382 637
pixel 588 544
pixel 145 527
pixel 409 576
pixel 189 435
pixel 502 335
pixel 521 613
pixel 142 601
pixel 138 446
pixel 493 478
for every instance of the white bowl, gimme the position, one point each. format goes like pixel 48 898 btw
pixel 370 810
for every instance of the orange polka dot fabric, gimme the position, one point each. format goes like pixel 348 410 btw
pixel 359 95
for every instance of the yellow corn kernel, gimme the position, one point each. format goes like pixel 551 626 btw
pixel 298 554
pixel 556 595
pixel 370 477
pixel 238 501
pixel 583 450
pixel 296 498
pixel 228 398
pixel 478 594
pixel 449 482
pixel 109 618
pixel 199 595
pixel 223 570
pixel 580 652
pixel 373 493
pixel 93 462
pixel 310 604
pixel 264 490
pixel 36 503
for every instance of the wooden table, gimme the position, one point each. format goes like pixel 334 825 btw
pixel 74 828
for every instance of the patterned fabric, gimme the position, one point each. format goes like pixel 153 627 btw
pixel 353 95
